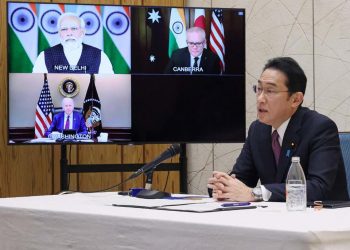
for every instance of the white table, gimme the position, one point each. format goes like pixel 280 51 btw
pixel 89 221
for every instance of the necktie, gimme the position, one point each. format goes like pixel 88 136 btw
pixel 67 123
pixel 276 147
pixel 195 64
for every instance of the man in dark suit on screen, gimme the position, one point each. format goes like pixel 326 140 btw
pixel 296 131
pixel 67 119
pixel 194 59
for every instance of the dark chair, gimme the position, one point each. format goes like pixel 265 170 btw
pixel 345 149
pixel 59 109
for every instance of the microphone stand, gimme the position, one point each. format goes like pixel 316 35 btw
pixel 148 193
pixel 148 169
pixel 149 179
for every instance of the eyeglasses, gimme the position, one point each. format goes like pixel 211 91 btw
pixel 195 44
pixel 268 92
pixel 74 28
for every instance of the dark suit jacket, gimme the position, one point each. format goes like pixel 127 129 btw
pixel 89 61
pixel 310 135
pixel 58 123
pixel 210 62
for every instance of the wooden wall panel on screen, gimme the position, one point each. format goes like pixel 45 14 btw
pixel 106 2
pixel 63 1
pixel 131 155
pixel 99 154
pixel 197 3
pixel 131 2
pixel 177 3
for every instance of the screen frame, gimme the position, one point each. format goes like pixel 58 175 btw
pixel 131 141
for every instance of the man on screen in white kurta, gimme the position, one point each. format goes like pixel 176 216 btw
pixel 71 55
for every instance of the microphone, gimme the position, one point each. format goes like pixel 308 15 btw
pixel 173 150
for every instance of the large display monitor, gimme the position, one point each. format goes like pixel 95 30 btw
pixel 133 74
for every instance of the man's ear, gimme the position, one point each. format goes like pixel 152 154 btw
pixel 297 98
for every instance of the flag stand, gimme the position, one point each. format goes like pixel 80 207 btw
pixel 64 168
pixel 148 192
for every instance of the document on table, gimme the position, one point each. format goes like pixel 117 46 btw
pixel 190 204
pixel 127 201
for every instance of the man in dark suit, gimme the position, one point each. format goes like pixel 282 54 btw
pixel 300 132
pixel 71 55
pixel 194 59
pixel 67 119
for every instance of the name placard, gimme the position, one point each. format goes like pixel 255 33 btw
pixel 70 67
pixel 188 69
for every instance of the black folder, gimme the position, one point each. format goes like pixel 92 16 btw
pixel 172 207
pixel 329 204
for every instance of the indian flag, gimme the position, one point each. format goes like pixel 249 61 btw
pixel 177 33
pixel 23 37
pixel 91 14
pixel 48 19
pixel 116 37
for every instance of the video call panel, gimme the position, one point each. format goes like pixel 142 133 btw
pixel 198 109
pixel 152 28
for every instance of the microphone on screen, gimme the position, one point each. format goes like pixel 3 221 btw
pixel 173 150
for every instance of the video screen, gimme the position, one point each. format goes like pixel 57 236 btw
pixel 83 73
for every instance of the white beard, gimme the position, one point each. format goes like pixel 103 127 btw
pixel 71 43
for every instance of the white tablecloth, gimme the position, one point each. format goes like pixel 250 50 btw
pixel 89 221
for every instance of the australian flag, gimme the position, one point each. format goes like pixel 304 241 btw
pixel 156 51
pixel 153 49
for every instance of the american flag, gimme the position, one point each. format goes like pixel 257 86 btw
pixel 217 36
pixel 43 113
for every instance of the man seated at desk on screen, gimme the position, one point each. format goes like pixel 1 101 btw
pixel 72 55
pixel 194 59
pixel 293 130
pixel 67 119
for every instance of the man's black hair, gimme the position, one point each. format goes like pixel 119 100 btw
pixel 296 78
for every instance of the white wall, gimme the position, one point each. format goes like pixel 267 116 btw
pixel 314 32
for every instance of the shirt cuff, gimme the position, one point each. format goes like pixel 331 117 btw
pixel 266 194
